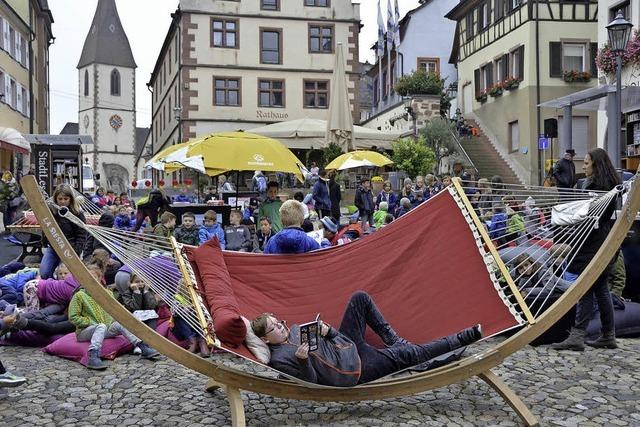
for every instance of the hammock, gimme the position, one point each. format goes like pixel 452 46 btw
pixel 439 257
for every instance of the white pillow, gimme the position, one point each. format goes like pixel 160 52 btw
pixel 258 348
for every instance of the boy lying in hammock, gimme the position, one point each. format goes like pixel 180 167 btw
pixel 343 358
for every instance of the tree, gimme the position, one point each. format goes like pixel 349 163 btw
pixel 439 137
pixel 413 156
pixel 330 152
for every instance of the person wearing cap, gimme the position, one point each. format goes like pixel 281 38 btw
pixel 321 195
pixel 332 235
pixel 564 171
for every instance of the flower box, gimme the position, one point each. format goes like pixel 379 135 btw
pixel 496 90
pixel 572 76
pixel 511 83
pixel 482 96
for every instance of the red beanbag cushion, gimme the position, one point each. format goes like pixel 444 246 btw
pixel 68 347
pixel 213 278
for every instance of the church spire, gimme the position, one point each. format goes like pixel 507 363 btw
pixel 107 43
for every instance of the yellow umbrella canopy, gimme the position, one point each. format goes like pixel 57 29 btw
pixel 241 151
pixel 356 159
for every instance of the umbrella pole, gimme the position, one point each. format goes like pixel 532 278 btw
pixel 198 188
pixel 237 187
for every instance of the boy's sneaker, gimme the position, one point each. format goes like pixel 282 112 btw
pixel 9 380
pixel 137 351
pixel 147 352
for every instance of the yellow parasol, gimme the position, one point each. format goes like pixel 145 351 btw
pixel 241 151
pixel 356 159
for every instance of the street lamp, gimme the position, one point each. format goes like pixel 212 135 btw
pixel 411 110
pixel 618 32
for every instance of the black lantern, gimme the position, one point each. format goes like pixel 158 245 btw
pixel 619 31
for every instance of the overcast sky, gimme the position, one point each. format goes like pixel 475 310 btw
pixel 146 23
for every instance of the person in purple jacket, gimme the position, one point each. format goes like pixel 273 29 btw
pixel 53 295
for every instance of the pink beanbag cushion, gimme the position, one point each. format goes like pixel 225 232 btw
pixel 68 347
pixel 213 277
pixel 29 339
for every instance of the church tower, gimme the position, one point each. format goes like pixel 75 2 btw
pixel 107 107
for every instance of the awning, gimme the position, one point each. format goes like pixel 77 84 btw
pixel 311 133
pixel 595 99
pixel 11 139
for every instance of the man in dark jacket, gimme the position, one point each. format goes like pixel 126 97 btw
pixel 364 201
pixel 343 358
pixel 321 195
pixel 335 195
pixel 564 171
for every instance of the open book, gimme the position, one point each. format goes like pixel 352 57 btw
pixel 310 333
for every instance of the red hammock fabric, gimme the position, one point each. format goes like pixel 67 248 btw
pixel 424 271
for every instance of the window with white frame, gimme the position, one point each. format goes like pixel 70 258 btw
pixel 574 57
pixel 514 136
pixel 485 14
pixel 514 63
pixel 429 65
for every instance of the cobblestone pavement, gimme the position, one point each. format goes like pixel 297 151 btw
pixel 597 387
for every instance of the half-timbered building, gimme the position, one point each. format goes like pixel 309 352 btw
pixel 513 55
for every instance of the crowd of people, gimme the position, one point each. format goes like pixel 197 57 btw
pixel 46 299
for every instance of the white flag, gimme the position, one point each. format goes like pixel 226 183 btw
pixel 396 33
pixel 380 51
pixel 390 25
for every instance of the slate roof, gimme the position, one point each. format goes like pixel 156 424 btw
pixel 107 43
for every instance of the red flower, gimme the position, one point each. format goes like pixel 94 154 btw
pixel 147 183
pixel 188 181
pixel 161 183
pixel 134 184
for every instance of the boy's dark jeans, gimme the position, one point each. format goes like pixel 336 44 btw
pixel 377 363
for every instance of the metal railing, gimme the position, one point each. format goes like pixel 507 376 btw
pixel 460 149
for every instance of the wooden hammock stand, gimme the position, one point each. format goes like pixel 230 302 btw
pixel 232 380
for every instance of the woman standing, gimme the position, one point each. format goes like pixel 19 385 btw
pixel 600 175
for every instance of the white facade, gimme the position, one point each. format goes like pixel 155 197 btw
pixel 426 42
pixel 191 64
pixel 110 119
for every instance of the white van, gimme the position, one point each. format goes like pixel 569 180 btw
pixel 88 180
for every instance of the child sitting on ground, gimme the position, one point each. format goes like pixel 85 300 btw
pixel 138 297
pixel 188 232
pixel 211 228
pixel 380 215
pixel 263 234
pixel 12 285
pixel 292 239
pixel 167 223
pixel 236 235
pixel 94 324
pixel 122 220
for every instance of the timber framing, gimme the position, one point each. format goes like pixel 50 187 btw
pixel 234 380
pixel 505 16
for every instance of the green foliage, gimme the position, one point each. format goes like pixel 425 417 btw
pixel 419 83
pixel 438 135
pixel 330 152
pixel 413 156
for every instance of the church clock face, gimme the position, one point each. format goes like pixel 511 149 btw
pixel 115 121
pixel 86 121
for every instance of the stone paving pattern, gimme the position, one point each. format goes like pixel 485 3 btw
pixel 597 387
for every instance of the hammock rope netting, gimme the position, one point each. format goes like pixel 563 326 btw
pixel 432 272
pixel 28 220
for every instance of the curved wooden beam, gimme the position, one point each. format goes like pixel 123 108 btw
pixel 233 378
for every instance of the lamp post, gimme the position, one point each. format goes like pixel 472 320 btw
pixel 618 32
pixel 409 108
